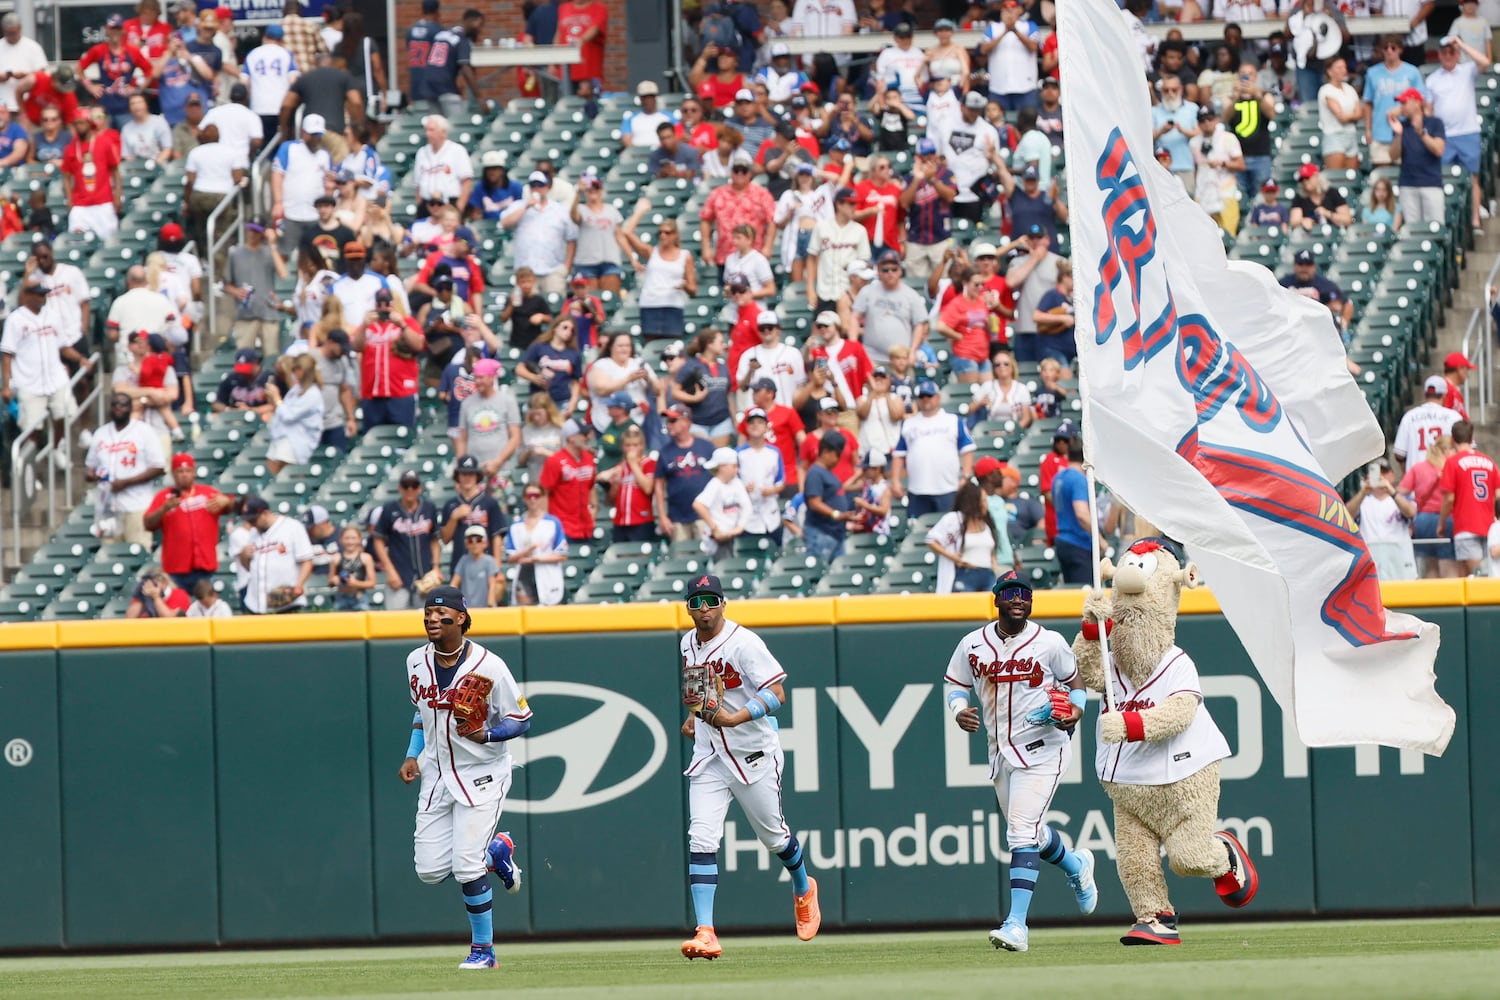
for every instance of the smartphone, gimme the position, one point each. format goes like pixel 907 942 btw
pixel 1372 473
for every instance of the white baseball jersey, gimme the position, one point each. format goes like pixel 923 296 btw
pixel 278 550
pixel 124 453
pixel 441 172
pixel 32 341
pixel 760 467
pixel 1420 426
pixel 473 773
pixel 1166 761
pixel 1013 677
pixel 740 658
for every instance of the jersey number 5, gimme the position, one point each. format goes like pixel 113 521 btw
pixel 1481 480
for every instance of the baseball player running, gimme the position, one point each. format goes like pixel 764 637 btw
pixel 732 685
pixel 468 703
pixel 1016 667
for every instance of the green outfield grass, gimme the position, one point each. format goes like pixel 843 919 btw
pixel 1425 959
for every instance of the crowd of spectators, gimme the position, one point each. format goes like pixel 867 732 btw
pixel 741 436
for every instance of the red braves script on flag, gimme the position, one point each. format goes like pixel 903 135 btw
pixel 1218 405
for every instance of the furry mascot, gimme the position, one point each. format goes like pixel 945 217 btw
pixel 1158 753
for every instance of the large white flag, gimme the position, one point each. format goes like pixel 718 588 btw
pixel 1217 404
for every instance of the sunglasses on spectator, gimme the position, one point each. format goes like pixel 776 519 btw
pixel 823 326
pixel 411 486
pixel 533 496
pixel 741 169
pixel 889 268
pixel 704 602
pixel 1013 593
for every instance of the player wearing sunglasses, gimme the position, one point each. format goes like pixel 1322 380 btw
pixel 732 685
pixel 1032 697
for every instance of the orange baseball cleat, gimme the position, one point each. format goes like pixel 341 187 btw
pixel 703 944
pixel 809 916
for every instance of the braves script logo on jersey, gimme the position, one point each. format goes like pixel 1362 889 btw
pixel 724 669
pixel 1221 379
pixel 1027 671
pixel 430 694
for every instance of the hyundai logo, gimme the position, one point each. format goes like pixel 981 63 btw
pixel 585 746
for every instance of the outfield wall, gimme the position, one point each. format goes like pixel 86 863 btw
pixel 232 781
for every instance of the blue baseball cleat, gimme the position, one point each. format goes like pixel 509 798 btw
pixel 1083 885
pixel 1011 935
pixel 480 957
pixel 502 858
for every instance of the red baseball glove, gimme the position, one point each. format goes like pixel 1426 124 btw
pixel 471 703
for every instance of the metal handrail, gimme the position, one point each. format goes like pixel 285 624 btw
pixel 95 398
pixel 257 172
pixel 1482 324
pixel 210 253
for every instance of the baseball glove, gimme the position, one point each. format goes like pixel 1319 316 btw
pixel 702 692
pixel 428 582
pixel 1058 709
pixel 281 598
pixel 471 703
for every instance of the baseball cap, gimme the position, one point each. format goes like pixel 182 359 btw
pixel 880 371
pixel 979 250
pixel 779 49
pixel 676 411
pixel 756 413
pixel 246 356
pixel 1410 94
pixel 674 350
pixel 786 130
pixel 208 19
pixel 1270 185
pixel 539 179
pixel 1031 173
pixel 1035 229
pixel 476 531
pixel 1457 360
pixel 926 147
pixel 874 459
pixel 1303 257
pixel 888 256
pixel 763 383
pixel 767 318
pixel 274 31
pixel 446 597
pixel 158 343
pixel 833 441
pixel 944 24
pixel 194 98
pixel 35 287
pixel 492 158
pixel 429 6
pixel 579 279
pixel 744 94
pixel 171 232
pixel 705 584
pixel 314 125
pixel 114 21
pixel 828 403
pixel 1066 430
pixel 975 101
pixel 826 318
pixel 313 516
pixel 1206 112
pixel 1435 385
pixel 798 101
pixel 354 248
pixel 1010 578
pixel 486 366
pixel 620 399
pixel 741 159
pixel 860 269
pixel 647 88
pixel 239 94
pixel 253 507
pixel 1051 81
pixel 64 80
pixel 1307 170
pixel 986 465
pixel 255 225
pixel 722 457
pixel 804 167
pixel 927 387
pixel 441 282
pixel 736 282
pixel 468 464
pixel 902 30
pixel 325 199
pixel 384 295
pixel 409 477
pixel 182 460
pixel 1276 49
pixel 571 428
pixel 845 194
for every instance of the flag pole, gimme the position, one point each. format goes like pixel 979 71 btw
pixel 1109 688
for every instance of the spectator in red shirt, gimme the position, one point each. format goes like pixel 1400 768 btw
pixel 1054 462
pixel 698 132
pixel 828 420
pixel 846 362
pixel 568 477
pixel 745 333
pixel 784 431
pixel 1469 482
pixel 1456 368
pixel 632 484
pixel 737 203
pixel 148 32
pixel 388 342
pixel 965 321
pixel 877 205
pixel 50 90
pixel 718 88
pixel 91 179
pixel 156 597
pixel 187 515
pixel 116 62
pixel 584 24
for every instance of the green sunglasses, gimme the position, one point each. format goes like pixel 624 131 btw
pixel 700 602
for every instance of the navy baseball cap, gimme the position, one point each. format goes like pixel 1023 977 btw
pixel 467 464
pixel 927 387
pixel 1010 578
pixel 705 584
pixel 1304 257
pixel 926 147
pixel 762 383
pixel 446 597
pixel 253 507
pixel 1066 430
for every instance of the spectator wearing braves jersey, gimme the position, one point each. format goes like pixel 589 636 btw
pixel 1305 280
pixel 406 541
pixel 119 70
pixel 834 244
pixel 388 343
pixel 31 352
pixel 187 514
pixel 472 506
pixel 444 171
pixel 568 477
pixel 763 471
pixel 731 684
pixel 681 473
pixel 933 454
pixel 927 200
pixel 278 559
pixel 845 360
pixel 1016 668
pixel 271 69
pixel 1470 482
pixel 773 360
pixel 148 31
pixel 1456 368
pixel 125 454
pixel 1424 423
pixel 438 59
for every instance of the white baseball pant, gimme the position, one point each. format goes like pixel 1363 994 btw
pixel 709 792
pixel 1025 794
pixel 451 837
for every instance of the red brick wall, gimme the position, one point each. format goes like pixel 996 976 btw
pixel 504 20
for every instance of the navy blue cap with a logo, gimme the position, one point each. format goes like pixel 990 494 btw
pixel 705 584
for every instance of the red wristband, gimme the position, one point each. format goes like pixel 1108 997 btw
pixel 1135 729
pixel 1090 630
